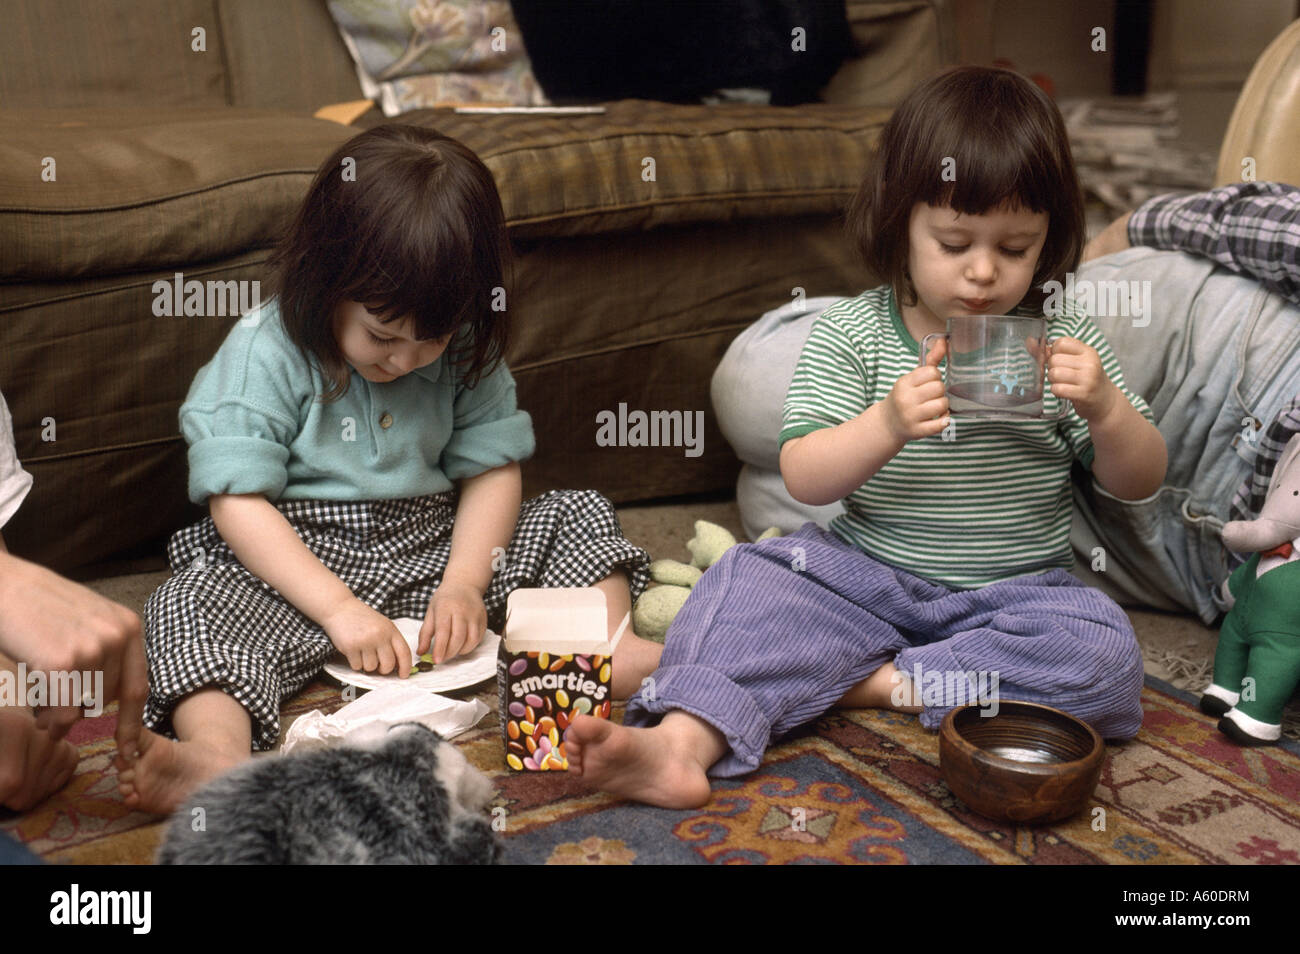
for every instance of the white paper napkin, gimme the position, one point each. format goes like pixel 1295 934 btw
pixel 377 711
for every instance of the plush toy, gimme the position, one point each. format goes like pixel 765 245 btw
pixel 657 607
pixel 404 795
pixel 1257 665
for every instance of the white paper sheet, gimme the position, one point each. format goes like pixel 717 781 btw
pixel 372 715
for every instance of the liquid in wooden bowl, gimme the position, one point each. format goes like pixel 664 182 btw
pixel 1029 763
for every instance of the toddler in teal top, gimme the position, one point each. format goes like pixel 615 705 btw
pixel 254 425
pixel 357 443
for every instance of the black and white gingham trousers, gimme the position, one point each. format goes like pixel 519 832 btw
pixel 214 624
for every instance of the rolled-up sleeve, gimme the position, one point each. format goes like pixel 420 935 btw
pixel 14 481
pixel 234 451
pixel 1252 228
pixel 489 430
pixel 831 383
pixel 242 415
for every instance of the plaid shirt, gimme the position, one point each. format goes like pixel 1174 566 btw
pixel 1252 228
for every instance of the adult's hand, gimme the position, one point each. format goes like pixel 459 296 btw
pixel 55 625
pixel 32 763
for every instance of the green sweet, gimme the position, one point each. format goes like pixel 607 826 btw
pixel 424 663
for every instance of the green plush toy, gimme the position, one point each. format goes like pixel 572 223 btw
pixel 1257 665
pixel 655 610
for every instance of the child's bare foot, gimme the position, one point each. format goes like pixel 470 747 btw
pixel 166 772
pixel 33 766
pixel 634 659
pixel 665 765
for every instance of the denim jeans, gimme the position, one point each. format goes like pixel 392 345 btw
pixel 14 852
pixel 1219 358
pixel 1216 357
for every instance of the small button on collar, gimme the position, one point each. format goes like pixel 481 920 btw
pixel 385 420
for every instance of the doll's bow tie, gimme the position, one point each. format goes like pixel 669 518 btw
pixel 1282 549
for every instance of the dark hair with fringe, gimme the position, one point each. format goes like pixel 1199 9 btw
pixel 413 230
pixel 1008 144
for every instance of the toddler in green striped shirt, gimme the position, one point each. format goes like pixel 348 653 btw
pixel 959 226
pixel 952 557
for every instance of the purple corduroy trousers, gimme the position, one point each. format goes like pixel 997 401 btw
pixel 776 632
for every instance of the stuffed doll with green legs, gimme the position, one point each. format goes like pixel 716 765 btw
pixel 1257 665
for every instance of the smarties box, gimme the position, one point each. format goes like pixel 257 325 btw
pixel 555 662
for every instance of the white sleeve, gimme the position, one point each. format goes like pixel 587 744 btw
pixel 14 481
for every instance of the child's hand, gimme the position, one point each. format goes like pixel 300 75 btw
pixel 1076 374
pixel 368 639
pixel 918 404
pixel 455 622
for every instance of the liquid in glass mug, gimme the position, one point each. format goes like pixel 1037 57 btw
pixel 997 368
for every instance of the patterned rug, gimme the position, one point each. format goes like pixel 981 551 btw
pixel 856 787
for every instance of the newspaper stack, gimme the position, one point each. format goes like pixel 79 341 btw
pixel 1127 150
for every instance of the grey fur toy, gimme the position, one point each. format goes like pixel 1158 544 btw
pixel 403 797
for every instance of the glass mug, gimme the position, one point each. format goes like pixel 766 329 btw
pixel 997 368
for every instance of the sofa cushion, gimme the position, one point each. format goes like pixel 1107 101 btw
pixel 110 53
pixel 896 44
pixel 148 54
pixel 414 54
pixel 185 185
pixel 284 55
pixel 590 174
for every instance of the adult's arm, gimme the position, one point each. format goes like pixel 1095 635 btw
pixel 1252 228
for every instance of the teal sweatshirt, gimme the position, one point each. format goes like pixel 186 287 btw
pixel 255 424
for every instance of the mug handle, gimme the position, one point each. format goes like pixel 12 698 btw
pixel 1065 406
pixel 925 346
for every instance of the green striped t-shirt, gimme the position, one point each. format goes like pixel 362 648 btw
pixel 991 503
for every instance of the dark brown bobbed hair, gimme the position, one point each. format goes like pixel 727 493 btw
pixel 1008 144
pixel 411 227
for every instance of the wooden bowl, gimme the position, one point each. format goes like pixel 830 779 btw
pixel 1029 763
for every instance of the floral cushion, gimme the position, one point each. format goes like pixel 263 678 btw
pixel 411 54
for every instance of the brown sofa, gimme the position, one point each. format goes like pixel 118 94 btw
pixel 127 156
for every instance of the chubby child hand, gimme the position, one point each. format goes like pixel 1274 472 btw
pixel 455 622
pixel 918 404
pixel 1075 373
pixel 368 639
